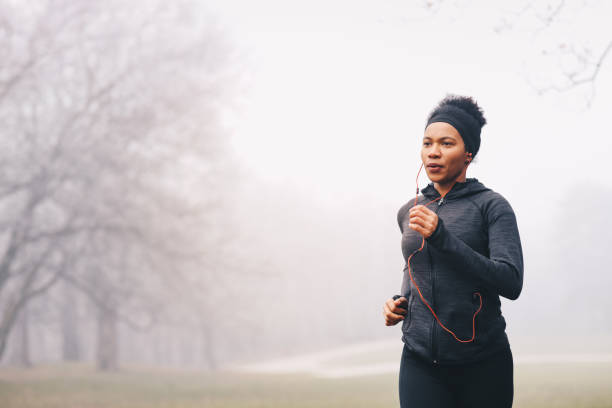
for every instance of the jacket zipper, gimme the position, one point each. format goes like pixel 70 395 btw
pixel 434 350
pixel 434 344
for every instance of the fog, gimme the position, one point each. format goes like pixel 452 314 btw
pixel 217 183
pixel 332 127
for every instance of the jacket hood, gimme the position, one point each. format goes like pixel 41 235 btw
pixel 470 187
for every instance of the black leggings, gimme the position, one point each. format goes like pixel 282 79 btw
pixel 488 383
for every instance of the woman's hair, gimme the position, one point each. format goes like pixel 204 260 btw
pixel 464 114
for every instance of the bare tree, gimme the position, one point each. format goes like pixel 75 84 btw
pixel 107 111
pixel 567 43
pixel 561 37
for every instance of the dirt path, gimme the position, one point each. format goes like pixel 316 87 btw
pixel 382 357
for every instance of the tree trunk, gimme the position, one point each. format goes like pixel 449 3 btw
pixel 24 343
pixel 107 346
pixel 71 350
pixel 8 317
pixel 20 341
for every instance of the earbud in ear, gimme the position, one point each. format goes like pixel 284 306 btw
pixel 468 161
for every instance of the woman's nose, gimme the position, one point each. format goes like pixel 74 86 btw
pixel 434 151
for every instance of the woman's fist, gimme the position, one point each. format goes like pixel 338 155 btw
pixel 394 310
pixel 423 220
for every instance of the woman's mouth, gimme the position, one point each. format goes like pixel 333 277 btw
pixel 434 168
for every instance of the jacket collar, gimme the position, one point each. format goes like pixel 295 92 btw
pixel 460 189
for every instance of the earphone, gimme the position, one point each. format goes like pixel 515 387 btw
pixel 417 286
pixel 467 161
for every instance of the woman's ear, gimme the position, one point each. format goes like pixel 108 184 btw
pixel 469 156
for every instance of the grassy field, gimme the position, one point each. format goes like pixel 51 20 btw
pixel 70 386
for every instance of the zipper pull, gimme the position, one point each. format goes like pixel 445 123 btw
pixel 441 201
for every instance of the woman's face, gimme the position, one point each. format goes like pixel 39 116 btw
pixel 443 153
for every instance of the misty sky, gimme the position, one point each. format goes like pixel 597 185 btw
pixel 325 111
pixel 327 114
pixel 339 92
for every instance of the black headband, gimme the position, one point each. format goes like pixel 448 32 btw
pixel 467 126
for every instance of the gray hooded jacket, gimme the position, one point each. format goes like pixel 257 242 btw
pixel 475 248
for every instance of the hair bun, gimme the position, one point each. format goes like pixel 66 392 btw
pixel 465 103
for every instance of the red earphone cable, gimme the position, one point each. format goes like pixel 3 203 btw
pixel 417 286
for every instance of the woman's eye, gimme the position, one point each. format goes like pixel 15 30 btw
pixel 426 143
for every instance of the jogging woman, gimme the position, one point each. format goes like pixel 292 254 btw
pixel 462 249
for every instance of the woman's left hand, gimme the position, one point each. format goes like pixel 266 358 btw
pixel 423 220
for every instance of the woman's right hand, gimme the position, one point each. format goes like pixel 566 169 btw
pixel 394 310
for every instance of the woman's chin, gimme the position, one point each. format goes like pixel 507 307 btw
pixel 435 177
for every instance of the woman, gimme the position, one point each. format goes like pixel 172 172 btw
pixel 462 249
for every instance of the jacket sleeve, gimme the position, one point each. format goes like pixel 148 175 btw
pixel 503 269
pixel 401 213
